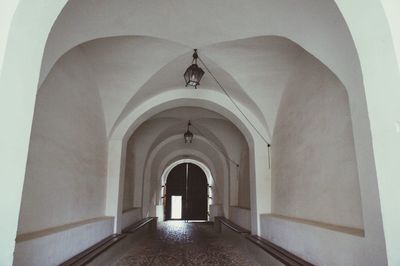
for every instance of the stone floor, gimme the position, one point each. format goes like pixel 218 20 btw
pixel 180 243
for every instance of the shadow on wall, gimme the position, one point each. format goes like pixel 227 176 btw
pixel 314 167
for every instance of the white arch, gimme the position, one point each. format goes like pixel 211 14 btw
pixel 147 190
pixel 211 100
pixel 206 170
pixel 207 99
pixel 168 169
pixel 157 145
pixel 200 157
pixel 180 97
pixel 153 153
pixel 203 167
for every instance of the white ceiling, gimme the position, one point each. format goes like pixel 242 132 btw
pixel 140 49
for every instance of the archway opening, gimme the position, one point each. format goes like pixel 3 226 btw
pixel 186 193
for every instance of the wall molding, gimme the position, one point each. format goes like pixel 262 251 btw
pixel 57 229
pixel 131 209
pixel 333 227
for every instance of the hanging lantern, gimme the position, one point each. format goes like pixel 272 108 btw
pixel 188 136
pixel 194 73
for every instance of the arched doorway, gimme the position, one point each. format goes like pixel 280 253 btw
pixel 186 195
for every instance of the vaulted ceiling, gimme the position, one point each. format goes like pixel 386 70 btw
pixel 136 52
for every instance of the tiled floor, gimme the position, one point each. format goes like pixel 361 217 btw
pixel 179 243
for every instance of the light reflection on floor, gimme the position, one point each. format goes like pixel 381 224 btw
pixel 180 243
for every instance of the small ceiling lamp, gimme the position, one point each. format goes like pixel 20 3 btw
pixel 194 73
pixel 188 136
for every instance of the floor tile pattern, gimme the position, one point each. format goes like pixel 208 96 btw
pixel 180 243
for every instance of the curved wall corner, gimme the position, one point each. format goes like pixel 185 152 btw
pixel 66 170
pixel 314 167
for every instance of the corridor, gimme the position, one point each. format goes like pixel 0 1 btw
pixel 278 120
pixel 180 243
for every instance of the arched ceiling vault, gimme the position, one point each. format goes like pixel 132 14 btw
pixel 159 142
pixel 147 54
pixel 128 73
pixel 195 25
pixel 200 128
pixel 214 135
pixel 171 77
pixel 182 98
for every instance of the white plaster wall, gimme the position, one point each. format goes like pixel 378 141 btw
pixel 315 176
pixel 322 246
pixel 140 145
pixel 19 71
pixel 236 148
pixel 44 250
pixel 131 216
pixel 314 168
pixel 240 216
pixel 65 175
pixel 216 210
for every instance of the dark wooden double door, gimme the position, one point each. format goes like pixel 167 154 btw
pixel 189 181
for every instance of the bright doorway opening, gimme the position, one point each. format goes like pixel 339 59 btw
pixel 176 207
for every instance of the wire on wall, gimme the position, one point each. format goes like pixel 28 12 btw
pixel 234 103
pixel 237 107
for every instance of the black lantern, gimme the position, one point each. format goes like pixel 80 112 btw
pixel 194 73
pixel 188 136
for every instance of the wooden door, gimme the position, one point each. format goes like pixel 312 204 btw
pixel 189 181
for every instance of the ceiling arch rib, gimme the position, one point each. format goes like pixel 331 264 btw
pixel 123 64
pixel 181 97
pixel 170 77
pixel 128 72
pixel 168 126
pixel 84 20
pixel 177 128
pixel 124 80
